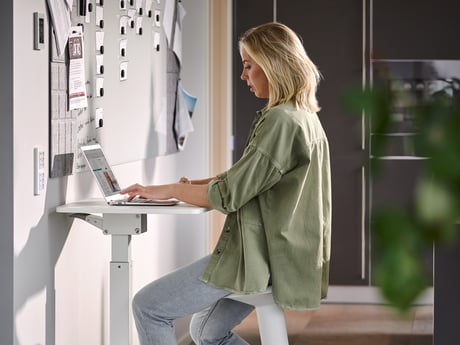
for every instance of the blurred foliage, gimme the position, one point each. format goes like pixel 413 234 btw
pixel 403 235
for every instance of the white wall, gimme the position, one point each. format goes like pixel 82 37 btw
pixel 61 266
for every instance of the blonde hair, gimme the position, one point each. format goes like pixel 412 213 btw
pixel 291 75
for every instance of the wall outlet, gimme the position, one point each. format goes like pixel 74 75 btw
pixel 39 170
pixel 39 31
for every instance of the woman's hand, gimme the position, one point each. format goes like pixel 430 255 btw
pixel 161 192
pixel 187 191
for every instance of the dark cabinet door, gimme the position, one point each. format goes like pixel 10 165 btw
pixel 446 297
pixel 332 32
pixel 246 14
pixel 416 29
pixel 333 36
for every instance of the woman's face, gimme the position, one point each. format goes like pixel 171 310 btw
pixel 254 76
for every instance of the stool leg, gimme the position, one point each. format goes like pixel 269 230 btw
pixel 272 325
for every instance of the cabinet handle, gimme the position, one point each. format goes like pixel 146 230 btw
pixel 363 223
pixel 400 158
pixel 364 131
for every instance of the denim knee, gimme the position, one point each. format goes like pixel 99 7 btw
pixel 214 324
pixel 137 305
pixel 199 332
pixel 195 328
pixel 146 315
pixel 143 307
pixel 203 332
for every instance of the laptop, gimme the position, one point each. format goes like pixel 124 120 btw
pixel 108 183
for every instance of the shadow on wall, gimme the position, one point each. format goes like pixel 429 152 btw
pixel 35 264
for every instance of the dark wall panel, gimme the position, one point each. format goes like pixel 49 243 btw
pixel 416 29
pixel 246 14
pixel 333 38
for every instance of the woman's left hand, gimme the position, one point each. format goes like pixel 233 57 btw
pixel 160 192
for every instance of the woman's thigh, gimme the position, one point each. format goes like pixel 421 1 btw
pixel 178 293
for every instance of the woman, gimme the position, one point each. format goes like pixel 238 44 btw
pixel 277 200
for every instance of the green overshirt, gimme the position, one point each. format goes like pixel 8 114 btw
pixel 277 199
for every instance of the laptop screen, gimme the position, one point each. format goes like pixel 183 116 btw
pixel 101 169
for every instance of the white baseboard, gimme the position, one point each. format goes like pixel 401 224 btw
pixel 367 295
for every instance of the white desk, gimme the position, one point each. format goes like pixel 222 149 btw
pixel 121 222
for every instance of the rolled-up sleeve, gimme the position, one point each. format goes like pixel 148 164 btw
pixel 253 174
pixel 216 192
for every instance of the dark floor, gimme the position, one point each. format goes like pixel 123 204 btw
pixel 351 324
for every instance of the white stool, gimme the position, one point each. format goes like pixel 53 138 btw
pixel 270 317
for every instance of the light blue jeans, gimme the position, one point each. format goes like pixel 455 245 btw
pixel 182 293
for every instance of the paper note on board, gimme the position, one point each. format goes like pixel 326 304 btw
pixel 77 80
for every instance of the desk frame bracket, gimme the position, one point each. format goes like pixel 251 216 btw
pixel 92 219
pixel 116 224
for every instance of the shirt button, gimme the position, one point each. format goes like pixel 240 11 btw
pixel 218 251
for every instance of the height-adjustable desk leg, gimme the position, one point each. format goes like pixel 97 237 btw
pixel 120 291
pixel 120 227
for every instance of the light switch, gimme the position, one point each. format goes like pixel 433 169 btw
pixel 39 170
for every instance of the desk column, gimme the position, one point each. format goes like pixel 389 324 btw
pixel 121 227
pixel 120 291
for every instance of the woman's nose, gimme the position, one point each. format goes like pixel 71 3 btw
pixel 243 75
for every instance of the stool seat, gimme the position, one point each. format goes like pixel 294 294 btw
pixel 270 317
